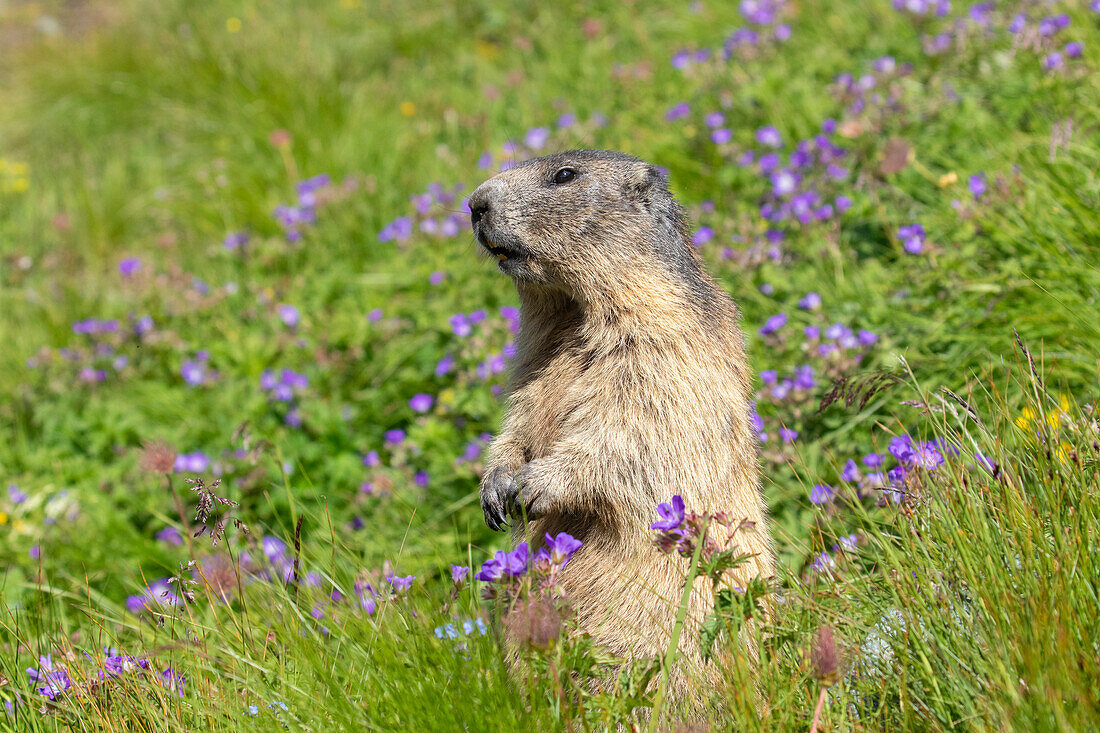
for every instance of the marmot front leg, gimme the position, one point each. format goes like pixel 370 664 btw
pixel 498 485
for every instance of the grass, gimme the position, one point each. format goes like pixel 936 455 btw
pixel 154 130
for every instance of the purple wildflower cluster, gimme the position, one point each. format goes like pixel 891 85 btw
pixel 437 213
pixel 284 387
pixel 95 359
pixel 764 28
pixel 56 681
pixel 1040 36
pixel 714 534
pixel 912 238
pixel 196 372
pixel 877 91
pixel 873 476
pixel 538 139
pixel 293 218
pixel 937 8
pixel 505 570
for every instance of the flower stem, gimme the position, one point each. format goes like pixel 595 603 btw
pixel 817 710
pixel 674 640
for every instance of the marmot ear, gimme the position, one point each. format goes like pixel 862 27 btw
pixel 642 180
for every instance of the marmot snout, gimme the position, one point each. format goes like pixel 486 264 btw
pixel 629 385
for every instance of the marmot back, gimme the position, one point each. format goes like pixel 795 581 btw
pixel 629 385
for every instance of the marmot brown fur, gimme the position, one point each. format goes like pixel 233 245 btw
pixel 629 385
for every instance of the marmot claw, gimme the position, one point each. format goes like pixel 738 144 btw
pixel 498 493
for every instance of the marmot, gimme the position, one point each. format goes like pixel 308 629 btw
pixel 629 385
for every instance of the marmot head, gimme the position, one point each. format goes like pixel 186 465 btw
pixel 582 221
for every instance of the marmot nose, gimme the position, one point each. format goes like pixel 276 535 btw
pixel 479 207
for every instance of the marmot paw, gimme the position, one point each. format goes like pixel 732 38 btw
pixel 498 493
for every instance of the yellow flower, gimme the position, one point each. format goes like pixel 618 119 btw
pixel 19 525
pixel 408 109
pixel 486 50
pixel 1024 420
pixel 948 179
pixel 19 185
pixel 447 397
pixel 3 518
pixel 1062 452
pixel 1054 419
pixel 1063 402
pixel 233 25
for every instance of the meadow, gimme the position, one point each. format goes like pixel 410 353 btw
pixel 252 359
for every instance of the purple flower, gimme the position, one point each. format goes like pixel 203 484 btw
pixel 536 137
pixel 823 562
pixel 769 136
pixel 811 301
pixel 492 569
pixel 983 460
pixel 55 679
pixel 129 267
pixel 671 514
pixel 514 563
pixel 1074 49
pixel 15 495
pixel 850 472
pixel 912 238
pixel 901 448
pixel 235 240
pixel 35 552
pixel 897 475
pixel 172 680
pixel 375 315
pixel 704 235
pixel 561 547
pixel 928 456
pixel 804 377
pixel 436 277
pixel 884 65
pixel 1017 23
pixel 159 593
pixel 872 460
pixel 977 184
pixel 193 372
pixel 769 376
pixel 400 585
pixel 460 325
pixel 371 460
pixel 289 315
pixel 459 573
pixel 812 332
pixel 714 119
pixel 170 536
pixel 394 437
pixel 445 365
pixel 1052 62
pixel 421 402
pixel 677 111
pixel 566 120
pixel 820 494
pixel 866 338
pixel 196 462
pixel 787 435
pixel 721 136
pixel 773 324
pixel 421 478
pixel 784 182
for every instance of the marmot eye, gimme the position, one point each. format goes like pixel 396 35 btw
pixel 565 175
